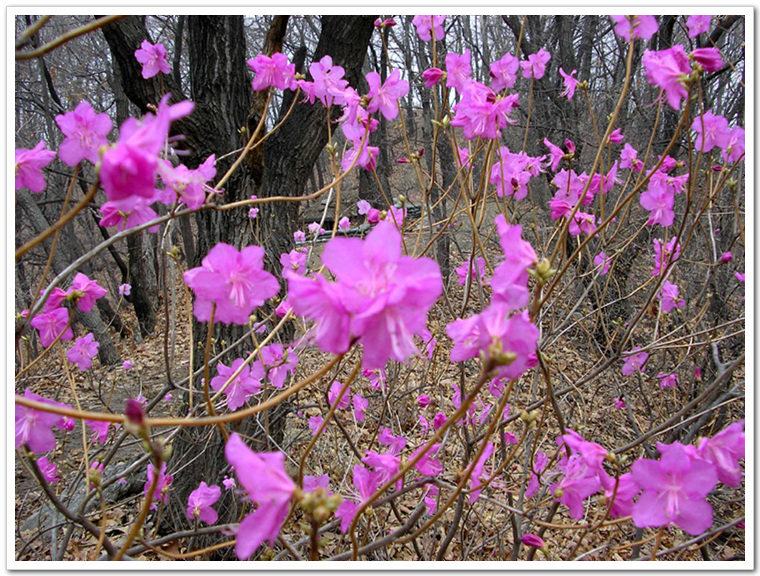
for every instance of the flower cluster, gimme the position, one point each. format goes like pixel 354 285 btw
pixel 380 298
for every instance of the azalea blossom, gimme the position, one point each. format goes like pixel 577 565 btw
pixel 245 385
pixel 570 84
pixel 380 296
pixel 200 502
pixel 629 27
pixel 697 24
pixel 429 27
pixel 29 165
pixel 262 475
pixel 84 350
pixel 52 325
pixel 85 132
pixel 535 65
pixel 235 282
pixel 35 427
pixel 674 490
pixel 153 59
pixel 634 362
pixel 274 71
pixel 503 72
pixel 668 69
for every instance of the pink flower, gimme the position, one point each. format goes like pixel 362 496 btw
pixel 235 282
pixel 275 71
pixel 332 395
pixel 458 69
pixel 481 113
pixel 84 350
pixel 669 297
pixel 532 540
pixel 51 325
pixel 697 24
pixel 556 153
pixel 366 483
pixel 493 330
pixel 674 490
pixel 733 145
pixel 667 380
pixel 535 65
pixel 643 27
pixel 128 169
pixel 29 165
pixel 510 278
pixel 35 427
pixel 726 257
pixel 344 223
pixel 724 450
pixel 229 483
pixel 395 443
pixel 49 469
pixel 570 84
pixel 739 276
pixel 626 491
pixel 279 363
pixel 85 132
pixel 128 213
pixel 385 98
pixel 634 362
pixel 314 423
pixel 427 465
pixel 711 131
pixel 127 365
pixel 299 236
pixel 709 59
pixel 85 291
pixel 628 158
pixel 668 69
pixel 578 483
pixel 153 59
pixel 619 403
pixel 477 476
pixel 380 296
pixel 423 400
pixel 664 256
pixel 616 137
pixel 200 502
pixel 429 27
pixel 432 76
pixel 263 476
pixel 283 308
pixel 360 406
pixel 312 483
pixel 602 260
pixel 125 289
pixel 477 268
pixel 387 23
pixel 659 201
pixel 189 185
pixel 439 420
pixel 161 493
pixel 329 84
pixel 99 430
pixel 247 383
pixel 503 72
